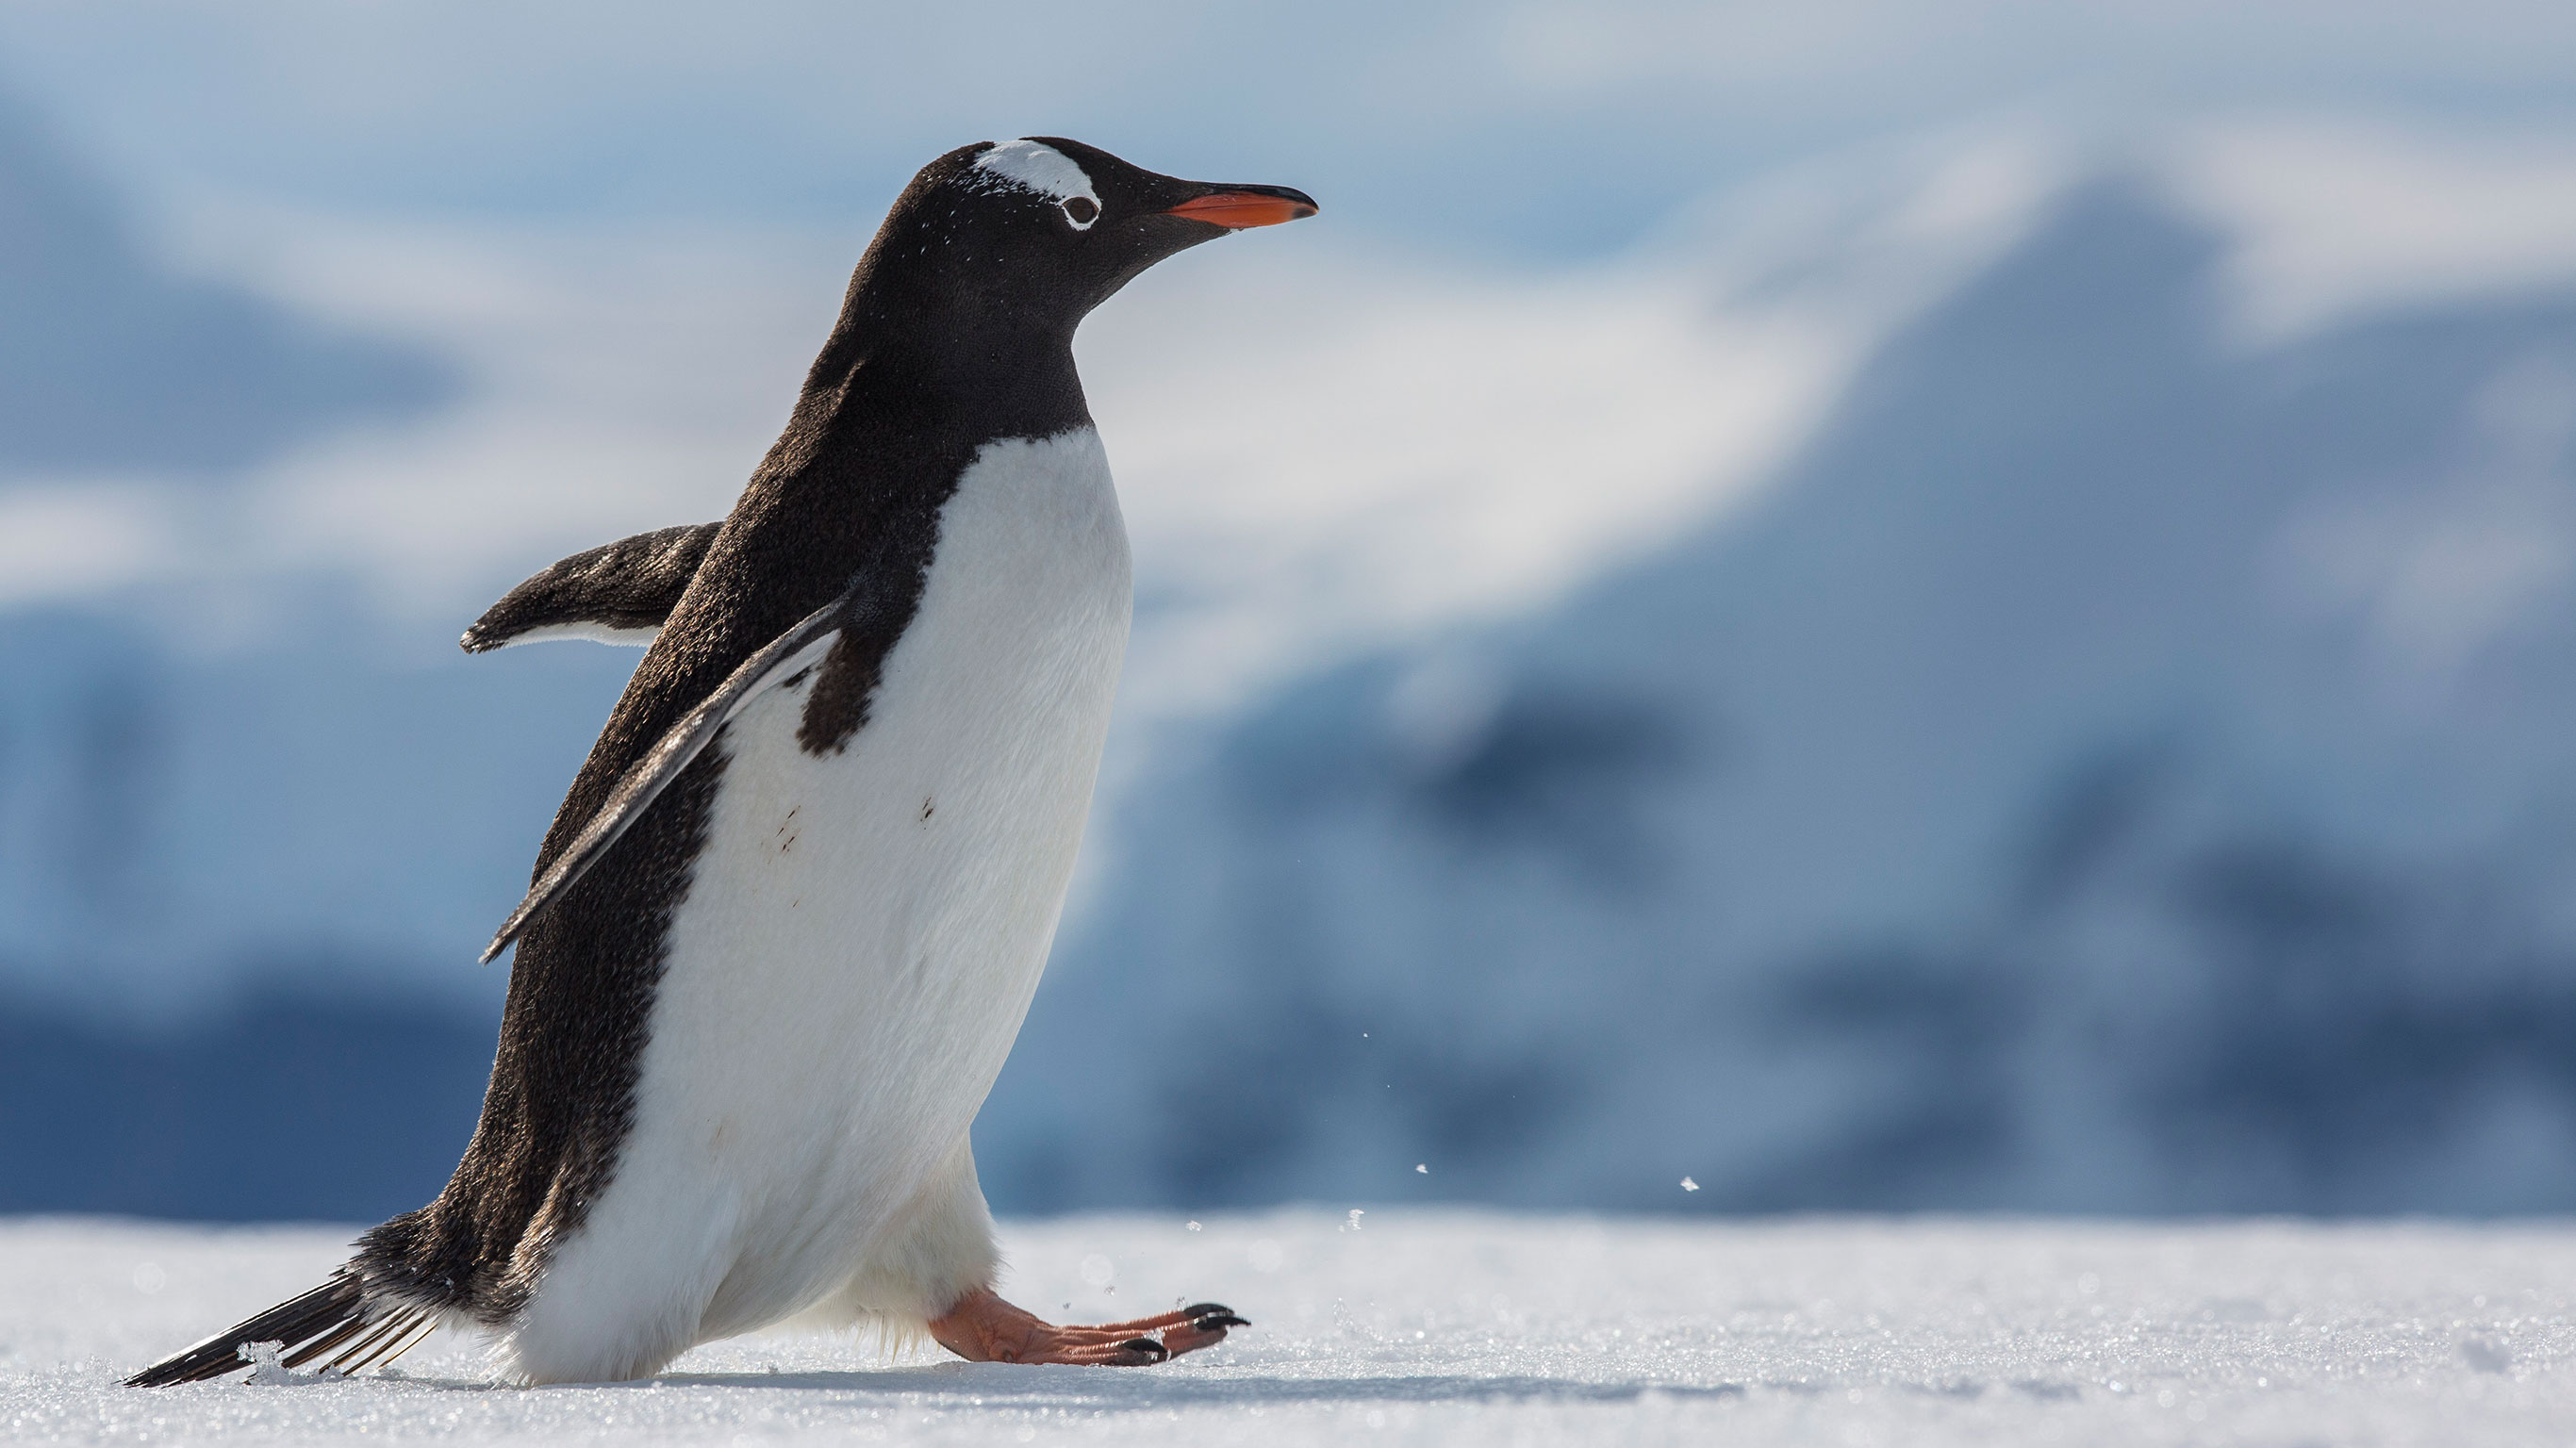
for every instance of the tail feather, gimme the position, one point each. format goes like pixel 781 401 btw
pixel 320 1345
pixel 318 1323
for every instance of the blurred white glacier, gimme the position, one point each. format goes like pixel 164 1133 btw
pixel 2018 666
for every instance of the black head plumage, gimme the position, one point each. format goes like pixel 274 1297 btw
pixel 995 243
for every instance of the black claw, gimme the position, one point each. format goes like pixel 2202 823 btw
pixel 1153 1351
pixel 1207 1309
pixel 1218 1320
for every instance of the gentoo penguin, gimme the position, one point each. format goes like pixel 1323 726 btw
pixel 791 913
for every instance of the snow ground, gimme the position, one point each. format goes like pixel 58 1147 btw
pixel 1456 1327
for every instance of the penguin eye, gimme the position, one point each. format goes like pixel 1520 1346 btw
pixel 1081 210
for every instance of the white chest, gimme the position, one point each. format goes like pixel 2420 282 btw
pixel 864 928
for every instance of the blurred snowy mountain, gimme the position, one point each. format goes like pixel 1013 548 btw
pixel 2117 767
pixel 175 825
pixel 209 777
pixel 1965 698
pixel 111 363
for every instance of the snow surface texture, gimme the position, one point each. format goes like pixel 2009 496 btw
pixel 1456 1327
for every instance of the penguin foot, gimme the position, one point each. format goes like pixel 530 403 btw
pixel 983 1328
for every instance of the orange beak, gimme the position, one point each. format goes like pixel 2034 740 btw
pixel 1235 210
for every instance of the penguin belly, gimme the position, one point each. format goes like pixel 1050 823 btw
pixel 860 938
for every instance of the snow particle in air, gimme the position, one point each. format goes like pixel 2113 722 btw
pixel 1193 1226
pixel 1422 1167
pixel 1352 1224
pixel 1688 1185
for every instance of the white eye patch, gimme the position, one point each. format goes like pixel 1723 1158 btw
pixel 1046 171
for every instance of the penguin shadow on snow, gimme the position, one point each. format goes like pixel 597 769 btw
pixel 965 1384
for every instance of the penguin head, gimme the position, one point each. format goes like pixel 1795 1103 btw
pixel 1045 229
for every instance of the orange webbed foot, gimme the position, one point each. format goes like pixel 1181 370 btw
pixel 983 1328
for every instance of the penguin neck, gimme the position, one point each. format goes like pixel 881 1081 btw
pixel 991 370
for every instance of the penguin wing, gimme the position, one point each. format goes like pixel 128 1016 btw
pixel 784 657
pixel 618 593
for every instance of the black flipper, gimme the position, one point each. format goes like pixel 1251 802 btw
pixel 617 593
pixel 792 652
pixel 321 1323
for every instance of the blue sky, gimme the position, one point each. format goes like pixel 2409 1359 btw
pixel 1533 131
